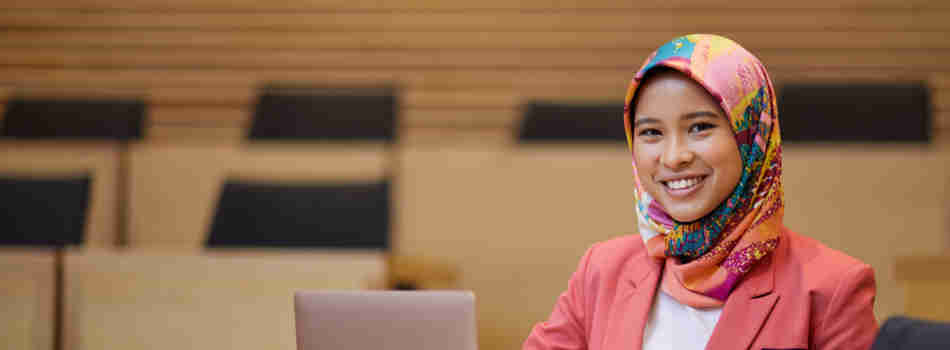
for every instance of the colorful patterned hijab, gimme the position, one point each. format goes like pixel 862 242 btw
pixel 705 259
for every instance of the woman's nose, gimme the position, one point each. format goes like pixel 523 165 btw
pixel 676 156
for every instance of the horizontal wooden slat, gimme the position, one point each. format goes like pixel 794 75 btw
pixel 301 40
pixel 69 92
pixel 217 96
pixel 302 59
pixel 462 118
pixel 178 133
pixel 687 20
pixel 426 78
pixel 935 80
pixel 449 136
pixel 245 5
pixel 410 98
pixel 922 60
pixel 200 115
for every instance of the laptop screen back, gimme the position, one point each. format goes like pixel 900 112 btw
pixel 343 320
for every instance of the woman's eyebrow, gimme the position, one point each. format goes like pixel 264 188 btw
pixel 691 115
pixel 699 114
pixel 645 120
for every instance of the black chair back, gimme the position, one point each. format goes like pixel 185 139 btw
pixel 563 122
pixel 903 333
pixel 346 215
pixel 847 112
pixel 100 119
pixel 43 212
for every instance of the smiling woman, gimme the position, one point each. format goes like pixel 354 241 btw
pixel 687 155
pixel 713 265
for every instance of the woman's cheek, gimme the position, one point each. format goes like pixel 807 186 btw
pixel 645 155
pixel 717 149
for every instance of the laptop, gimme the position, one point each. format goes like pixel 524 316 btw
pixel 357 320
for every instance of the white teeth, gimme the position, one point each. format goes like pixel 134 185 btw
pixel 683 183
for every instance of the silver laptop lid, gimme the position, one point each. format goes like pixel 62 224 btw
pixel 357 320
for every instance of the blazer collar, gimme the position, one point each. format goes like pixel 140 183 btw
pixel 639 267
pixel 634 299
pixel 748 307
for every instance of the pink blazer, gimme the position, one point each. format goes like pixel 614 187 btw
pixel 805 296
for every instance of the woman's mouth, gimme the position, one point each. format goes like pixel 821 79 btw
pixel 683 187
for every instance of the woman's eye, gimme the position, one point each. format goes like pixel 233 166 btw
pixel 648 132
pixel 700 127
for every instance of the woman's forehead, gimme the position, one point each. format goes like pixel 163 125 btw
pixel 671 91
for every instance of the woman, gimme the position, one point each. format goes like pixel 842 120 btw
pixel 713 267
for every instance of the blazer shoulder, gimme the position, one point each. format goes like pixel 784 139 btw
pixel 614 255
pixel 620 247
pixel 813 264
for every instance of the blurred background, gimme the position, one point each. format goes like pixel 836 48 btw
pixel 171 171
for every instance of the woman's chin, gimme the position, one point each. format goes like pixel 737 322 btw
pixel 683 216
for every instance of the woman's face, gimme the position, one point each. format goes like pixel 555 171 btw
pixel 686 153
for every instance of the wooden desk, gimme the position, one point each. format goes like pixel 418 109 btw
pixel 926 281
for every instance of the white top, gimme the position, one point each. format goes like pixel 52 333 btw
pixel 676 326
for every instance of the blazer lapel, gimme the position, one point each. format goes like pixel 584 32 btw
pixel 747 309
pixel 629 311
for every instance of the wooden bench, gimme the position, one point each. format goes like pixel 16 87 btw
pixel 28 298
pixel 145 300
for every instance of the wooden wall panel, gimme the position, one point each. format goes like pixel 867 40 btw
pixel 919 60
pixel 418 77
pixel 533 210
pixel 171 134
pixel 302 5
pixel 69 38
pixel 552 20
